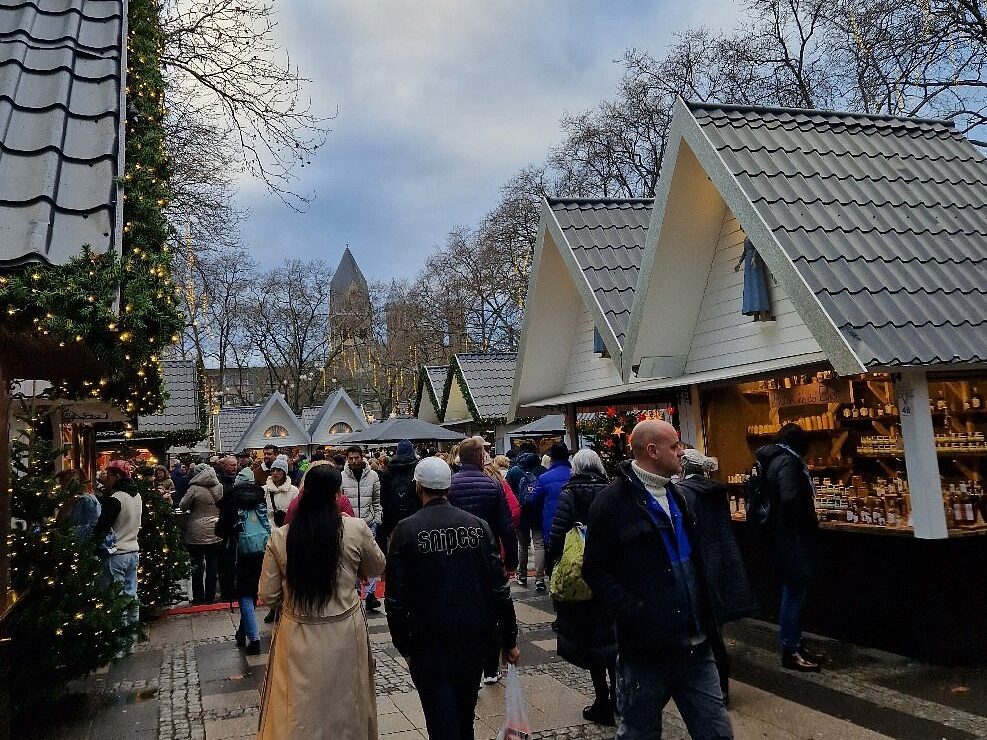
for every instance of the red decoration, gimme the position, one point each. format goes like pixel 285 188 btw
pixel 611 411
pixel 642 416
pixel 608 442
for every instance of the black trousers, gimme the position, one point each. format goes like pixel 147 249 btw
pixel 448 689
pixel 205 569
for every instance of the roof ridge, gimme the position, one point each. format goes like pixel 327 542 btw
pixel 699 105
pixel 615 201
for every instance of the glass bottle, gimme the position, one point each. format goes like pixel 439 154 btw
pixel 976 402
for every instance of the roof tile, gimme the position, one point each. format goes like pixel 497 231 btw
pixel 490 379
pixel 607 239
pixel 884 219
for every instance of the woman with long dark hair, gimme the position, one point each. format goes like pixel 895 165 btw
pixel 320 674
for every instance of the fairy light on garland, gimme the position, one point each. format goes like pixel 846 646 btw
pixel 75 303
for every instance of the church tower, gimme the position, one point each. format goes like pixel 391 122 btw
pixel 350 319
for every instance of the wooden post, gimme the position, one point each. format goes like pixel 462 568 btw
pixel 571 428
pixel 4 488
pixel 921 459
pixel 5 708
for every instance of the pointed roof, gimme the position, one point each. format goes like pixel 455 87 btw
pixel 347 275
pixel 874 226
pixel 62 87
pixel 274 416
pixel 606 238
pixel 338 408
pixel 431 383
pixel 485 381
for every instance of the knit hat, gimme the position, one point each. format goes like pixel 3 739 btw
pixel 405 449
pixel 121 468
pixel 693 461
pixel 280 463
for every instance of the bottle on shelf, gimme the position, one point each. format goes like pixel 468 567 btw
pixel 976 402
pixel 941 401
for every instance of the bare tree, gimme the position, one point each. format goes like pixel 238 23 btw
pixel 222 62
pixel 290 327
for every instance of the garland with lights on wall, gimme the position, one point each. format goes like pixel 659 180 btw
pixel 74 303
pixel 423 390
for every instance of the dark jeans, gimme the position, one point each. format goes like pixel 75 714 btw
pixel 448 694
pixel 690 680
pixel 789 621
pixel 491 661
pixel 205 564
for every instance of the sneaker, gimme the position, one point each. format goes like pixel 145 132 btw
pixel 240 640
pixel 253 648
pixel 491 679
pixel 373 604
pixel 540 585
pixel 521 580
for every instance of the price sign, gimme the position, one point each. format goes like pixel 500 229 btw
pixel 810 393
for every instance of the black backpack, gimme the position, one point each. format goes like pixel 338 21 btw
pixel 758 499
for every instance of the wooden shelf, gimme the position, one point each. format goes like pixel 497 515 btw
pixel 772 435
pixel 941 453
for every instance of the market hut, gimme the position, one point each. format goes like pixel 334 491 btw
pixel 336 418
pixel 477 395
pixel 830 269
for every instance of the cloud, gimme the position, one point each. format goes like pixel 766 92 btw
pixel 439 103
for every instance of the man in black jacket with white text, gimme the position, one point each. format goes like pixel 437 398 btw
pixel 446 589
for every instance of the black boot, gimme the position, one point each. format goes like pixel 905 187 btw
pixel 373 603
pixel 239 638
pixel 600 712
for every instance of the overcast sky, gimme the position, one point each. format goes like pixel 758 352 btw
pixel 437 104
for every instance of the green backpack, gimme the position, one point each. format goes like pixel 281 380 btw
pixel 567 579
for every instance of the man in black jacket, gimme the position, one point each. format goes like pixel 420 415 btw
pixel 643 560
pixel 446 590
pixel 398 497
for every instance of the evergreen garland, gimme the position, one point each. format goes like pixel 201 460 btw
pixel 63 625
pixel 76 302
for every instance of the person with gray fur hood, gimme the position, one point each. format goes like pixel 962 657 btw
pixel 361 484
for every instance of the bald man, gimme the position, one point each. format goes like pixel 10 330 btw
pixel 642 560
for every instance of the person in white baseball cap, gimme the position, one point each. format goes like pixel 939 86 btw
pixel 447 594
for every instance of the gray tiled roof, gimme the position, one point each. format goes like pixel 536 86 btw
pixel 885 219
pixel 61 150
pixel 489 378
pixel 181 412
pixel 231 423
pixel 435 377
pixel 607 239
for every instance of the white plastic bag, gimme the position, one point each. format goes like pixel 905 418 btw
pixel 516 725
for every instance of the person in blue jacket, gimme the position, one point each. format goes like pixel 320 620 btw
pixel 548 491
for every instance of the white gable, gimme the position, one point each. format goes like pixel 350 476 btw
pixel 586 369
pixel 274 424
pixel 724 337
pixel 426 411
pixel 456 409
pixel 338 415
pixel 687 316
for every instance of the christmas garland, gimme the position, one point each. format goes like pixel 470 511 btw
pixel 424 383
pixel 77 302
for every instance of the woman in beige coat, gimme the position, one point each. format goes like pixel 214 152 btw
pixel 320 674
pixel 204 547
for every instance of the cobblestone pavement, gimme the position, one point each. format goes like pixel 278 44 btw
pixel 189 681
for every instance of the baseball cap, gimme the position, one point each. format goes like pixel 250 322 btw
pixel 434 474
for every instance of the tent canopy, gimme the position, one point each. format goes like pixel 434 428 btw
pixel 394 430
pixel 551 424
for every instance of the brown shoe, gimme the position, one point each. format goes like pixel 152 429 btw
pixel 796 662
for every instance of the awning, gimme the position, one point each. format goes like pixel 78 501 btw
pixel 551 424
pixel 394 430
pixel 683 381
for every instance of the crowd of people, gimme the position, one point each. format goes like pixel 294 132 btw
pixel 657 567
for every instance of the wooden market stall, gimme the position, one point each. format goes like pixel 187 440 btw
pixel 808 266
